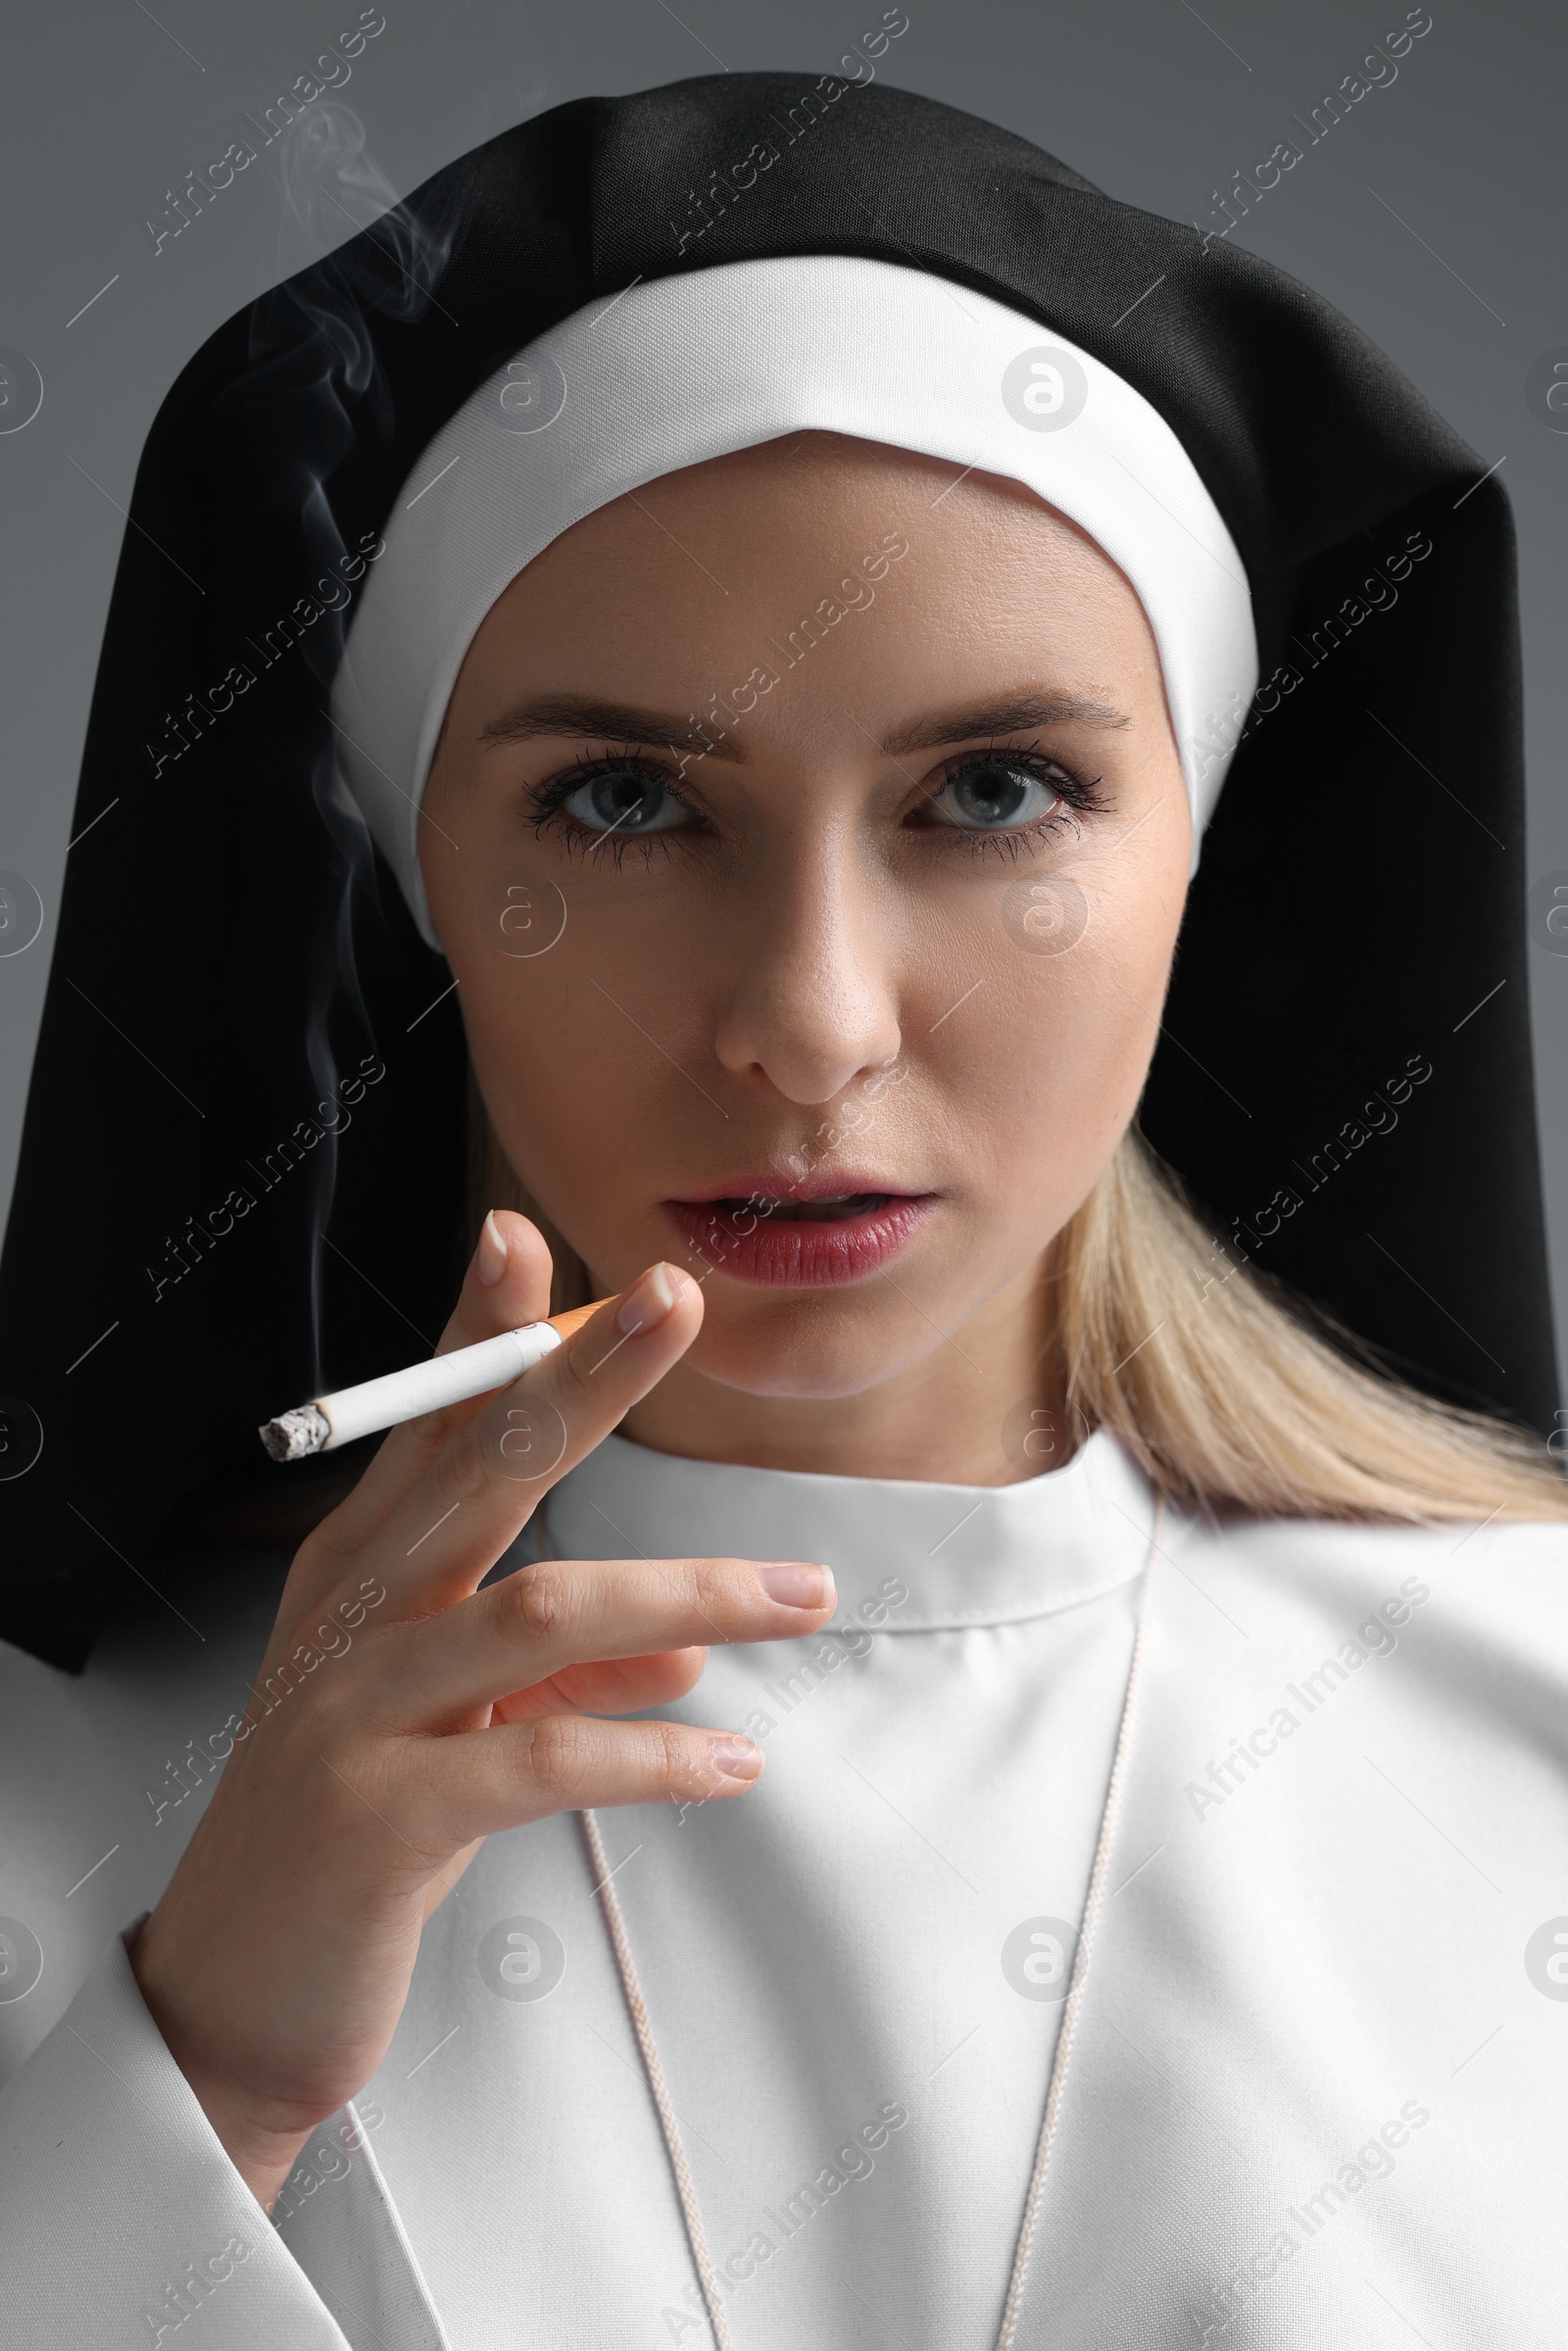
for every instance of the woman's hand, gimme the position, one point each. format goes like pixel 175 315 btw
pixel 401 1715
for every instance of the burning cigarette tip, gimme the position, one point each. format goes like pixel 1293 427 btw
pixel 295 1434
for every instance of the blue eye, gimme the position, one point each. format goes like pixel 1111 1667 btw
pixel 622 802
pixel 994 796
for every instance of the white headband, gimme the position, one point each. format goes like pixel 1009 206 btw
pixel 685 368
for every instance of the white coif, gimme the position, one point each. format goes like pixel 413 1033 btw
pixel 671 373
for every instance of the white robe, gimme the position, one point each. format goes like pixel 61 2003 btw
pixel 1317 2083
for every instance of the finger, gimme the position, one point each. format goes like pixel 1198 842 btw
pixel 507 1284
pixel 478 1782
pixel 609 1686
pixel 452 1526
pixel 561 1613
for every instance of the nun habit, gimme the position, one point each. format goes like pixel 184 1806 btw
pixel 1247 1879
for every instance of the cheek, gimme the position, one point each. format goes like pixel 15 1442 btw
pixel 565 1046
pixel 551 1047
pixel 1051 1068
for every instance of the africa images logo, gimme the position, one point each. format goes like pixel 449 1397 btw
pixel 1547 1958
pixel 1045 388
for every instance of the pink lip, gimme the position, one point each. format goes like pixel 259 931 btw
pixel 752 1246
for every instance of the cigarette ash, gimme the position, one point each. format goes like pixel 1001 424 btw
pixel 295 1434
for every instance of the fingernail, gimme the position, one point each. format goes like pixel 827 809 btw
pixel 737 1758
pixel 798 1586
pixel 649 1299
pixel 490 1257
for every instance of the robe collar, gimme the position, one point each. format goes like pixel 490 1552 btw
pixel 967 1554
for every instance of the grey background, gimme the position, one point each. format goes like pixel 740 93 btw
pixel 1434 215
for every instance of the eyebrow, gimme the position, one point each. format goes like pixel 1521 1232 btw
pixel 588 720
pixel 1009 717
pixel 585 717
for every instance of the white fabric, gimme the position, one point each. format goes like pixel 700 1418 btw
pixel 670 373
pixel 1281 1971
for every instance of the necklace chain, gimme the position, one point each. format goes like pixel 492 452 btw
pixel 642 2026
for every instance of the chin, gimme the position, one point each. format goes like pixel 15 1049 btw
pixel 806 1346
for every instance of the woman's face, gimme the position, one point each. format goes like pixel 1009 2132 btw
pixel 808 843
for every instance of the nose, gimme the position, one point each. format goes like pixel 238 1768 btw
pixel 813 1000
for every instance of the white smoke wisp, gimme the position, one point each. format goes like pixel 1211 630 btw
pixel 368 255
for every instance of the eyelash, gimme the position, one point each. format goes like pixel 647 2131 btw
pixel 1077 795
pixel 546 798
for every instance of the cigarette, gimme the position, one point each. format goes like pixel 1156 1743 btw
pixel 328 1421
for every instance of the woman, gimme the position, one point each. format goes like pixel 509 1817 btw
pixel 787 682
